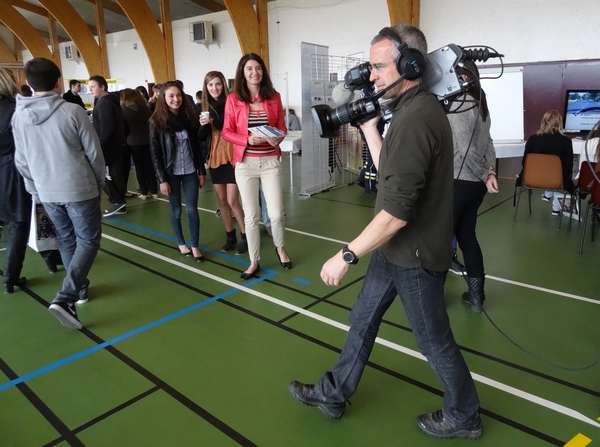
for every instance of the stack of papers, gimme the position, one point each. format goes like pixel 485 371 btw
pixel 266 131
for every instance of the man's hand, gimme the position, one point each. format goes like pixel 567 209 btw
pixel 202 180
pixel 334 270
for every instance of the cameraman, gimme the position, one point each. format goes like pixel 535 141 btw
pixel 410 237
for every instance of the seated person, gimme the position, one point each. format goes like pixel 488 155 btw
pixel 292 119
pixel 550 139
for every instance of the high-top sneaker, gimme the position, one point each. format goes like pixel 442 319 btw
pixel 230 243
pixel 242 248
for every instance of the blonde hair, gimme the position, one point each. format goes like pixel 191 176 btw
pixel 7 83
pixel 552 121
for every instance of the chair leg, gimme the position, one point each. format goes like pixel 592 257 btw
pixel 517 204
pixel 571 212
pixel 587 210
pixel 530 192
pixel 593 222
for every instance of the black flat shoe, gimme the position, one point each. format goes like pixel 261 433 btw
pixel 285 265
pixel 10 287
pixel 246 276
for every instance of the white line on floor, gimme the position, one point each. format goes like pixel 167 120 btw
pixel 490 382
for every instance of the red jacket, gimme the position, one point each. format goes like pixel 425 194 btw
pixel 235 124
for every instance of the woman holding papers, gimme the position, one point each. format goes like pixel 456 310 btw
pixel 219 159
pixel 255 124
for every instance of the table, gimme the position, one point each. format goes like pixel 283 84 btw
pixel 292 144
pixel 508 150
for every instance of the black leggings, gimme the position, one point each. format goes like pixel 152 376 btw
pixel 467 199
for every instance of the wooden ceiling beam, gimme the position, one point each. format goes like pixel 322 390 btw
pixel 79 32
pixel 99 9
pixel 167 29
pixel 26 33
pixel 211 5
pixel 246 25
pixel 144 22
pixel 54 41
pixel 262 15
pixel 404 11
pixel 6 54
pixel 29 7
pixel 111 6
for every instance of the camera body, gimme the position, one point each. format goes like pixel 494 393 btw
pixel 440 76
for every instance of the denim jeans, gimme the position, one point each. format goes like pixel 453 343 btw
pixel 79 229
pixel 468 197
pixel 16 246
pixel 421 292
pixel 190 184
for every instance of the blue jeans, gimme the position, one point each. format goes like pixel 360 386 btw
pixel 421 292
pixel 79 229
pixel 190 184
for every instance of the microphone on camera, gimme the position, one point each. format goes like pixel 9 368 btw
pixel 341 94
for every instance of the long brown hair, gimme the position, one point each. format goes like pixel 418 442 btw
pixel 159 118
pixel 206 97
pixel 470 70
pixel 551 123
pixel 130 97
pixel 7 83
pixel 266 91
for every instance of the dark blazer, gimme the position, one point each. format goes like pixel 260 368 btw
pixel 162 150
pixel 110 126
pixel 552 144
pixel 15 201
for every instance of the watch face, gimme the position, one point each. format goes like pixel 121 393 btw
pixel 348 257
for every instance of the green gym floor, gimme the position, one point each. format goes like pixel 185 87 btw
pixel 175 353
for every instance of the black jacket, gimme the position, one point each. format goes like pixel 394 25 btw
pixel 110 126
pixel 137 121
pixel 552 144
pixel 15 201
pixel 73 99
pixel 162 150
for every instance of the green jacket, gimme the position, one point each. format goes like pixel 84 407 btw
pixel 415 181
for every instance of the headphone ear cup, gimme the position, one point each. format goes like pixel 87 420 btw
pixel 411 63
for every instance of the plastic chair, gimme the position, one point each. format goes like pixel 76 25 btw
pixel 541 171
pixel 594 205
pixel 585 178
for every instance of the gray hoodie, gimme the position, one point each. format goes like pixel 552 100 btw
pixel 57 150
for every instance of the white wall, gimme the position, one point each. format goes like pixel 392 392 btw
pixel 523 30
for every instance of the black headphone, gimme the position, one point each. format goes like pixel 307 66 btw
pixel 410 63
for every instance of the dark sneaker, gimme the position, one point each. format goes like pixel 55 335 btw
pixel 457 268
pixel 242 248
pixel 218 213
pixel 84 297
pixel 115 208
pixel 306 395
pixel 230 244
pixel 436 425
pixel 545 198
pixel 555 213
pixel 66 314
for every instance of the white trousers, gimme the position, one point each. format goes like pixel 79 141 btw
pixel 248 174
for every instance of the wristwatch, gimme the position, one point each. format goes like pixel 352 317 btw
pixel 348 256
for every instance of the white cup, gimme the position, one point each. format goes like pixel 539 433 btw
pixel 205 115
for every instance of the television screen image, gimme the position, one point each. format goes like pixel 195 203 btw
pixel 582 110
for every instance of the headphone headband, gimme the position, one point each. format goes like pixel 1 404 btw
pixel 410 63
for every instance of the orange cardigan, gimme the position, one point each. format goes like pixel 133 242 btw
pixel 235 123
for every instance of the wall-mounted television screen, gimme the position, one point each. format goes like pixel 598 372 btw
pixel 582 110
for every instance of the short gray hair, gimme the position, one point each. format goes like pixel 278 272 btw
pixel 411 35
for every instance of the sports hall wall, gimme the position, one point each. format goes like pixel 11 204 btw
pixel 530 32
